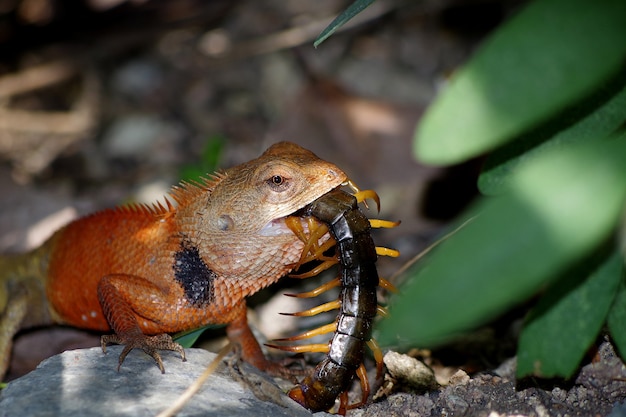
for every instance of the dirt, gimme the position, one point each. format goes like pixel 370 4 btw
pixel 599 389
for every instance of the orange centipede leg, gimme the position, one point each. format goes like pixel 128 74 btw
pixel 343 403
pixel 361 372
pixel 327 328
pixel 329 263
pixel 383 224
pixel 382 311
pixel 334 283
pixel 380 251
pixel 294 224
pixel 331 305
pixel 311 245
pixel 314 347
pixel 383 283
pixel 378 357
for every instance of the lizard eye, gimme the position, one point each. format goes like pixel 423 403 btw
pixel 278 182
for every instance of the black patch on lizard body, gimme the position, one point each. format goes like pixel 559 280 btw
pixel 194 275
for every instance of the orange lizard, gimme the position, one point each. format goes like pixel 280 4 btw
pixel 146 271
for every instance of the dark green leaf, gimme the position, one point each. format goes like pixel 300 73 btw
pixel 617 318
pixel 188 339
pixel 554 214
pixel 552 54
pixel 564 324
pixel 602 122
pixel 355 8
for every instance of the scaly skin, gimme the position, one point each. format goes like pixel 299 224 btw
pixel 144 272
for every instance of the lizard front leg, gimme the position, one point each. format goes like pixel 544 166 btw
pixel 240 334
pixel 122 319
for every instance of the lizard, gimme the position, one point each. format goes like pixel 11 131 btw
pixel 144 272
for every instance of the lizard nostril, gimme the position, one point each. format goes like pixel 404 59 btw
pixel 331 174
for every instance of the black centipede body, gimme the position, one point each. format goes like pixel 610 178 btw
pixel 359 279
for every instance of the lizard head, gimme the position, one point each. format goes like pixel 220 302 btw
pixel 253 197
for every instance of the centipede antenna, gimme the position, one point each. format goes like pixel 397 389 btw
pixel 328 328
pixel 319 290
pixel 382 311
pixel 314 347
pixel 385 224
pixel 381 251
pixel 320 268
pixel 331 305
pixel 349 183
pixel 388 286
pixel 378 356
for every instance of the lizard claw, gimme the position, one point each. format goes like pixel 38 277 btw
pixel 149 344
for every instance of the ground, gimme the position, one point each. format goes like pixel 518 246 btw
pixel 102 104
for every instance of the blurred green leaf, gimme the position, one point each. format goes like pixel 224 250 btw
pixel 355 8
pixel 209 160
pixel 552 54
pixel 617 318
pixel 602 122
pixel 563 325
pixel 560 206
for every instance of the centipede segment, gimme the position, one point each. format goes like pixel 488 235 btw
pixel 337 214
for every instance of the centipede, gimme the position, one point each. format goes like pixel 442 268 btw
pixel 336 220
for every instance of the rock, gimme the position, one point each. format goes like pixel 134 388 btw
pixel 410 371
pixel 85 382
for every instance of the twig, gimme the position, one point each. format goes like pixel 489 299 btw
pixel 36 77
pixel 430 247
pixel 195 387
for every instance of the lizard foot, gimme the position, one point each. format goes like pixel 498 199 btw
pixel 149 344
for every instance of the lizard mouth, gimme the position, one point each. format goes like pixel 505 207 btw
pixel 278 227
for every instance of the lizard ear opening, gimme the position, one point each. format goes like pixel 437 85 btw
pixel 225 222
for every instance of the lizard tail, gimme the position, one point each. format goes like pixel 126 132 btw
pixel 23 302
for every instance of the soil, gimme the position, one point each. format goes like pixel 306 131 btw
pixel 599 389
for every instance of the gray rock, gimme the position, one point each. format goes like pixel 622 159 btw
pixel 85 382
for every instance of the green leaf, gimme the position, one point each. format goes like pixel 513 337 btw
pixel 552 54
pixel 561 205
pixel 210 158
pixel 189 338
pixel 602 122
pixel 565 323
pixel 617 318
pixel 355 8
